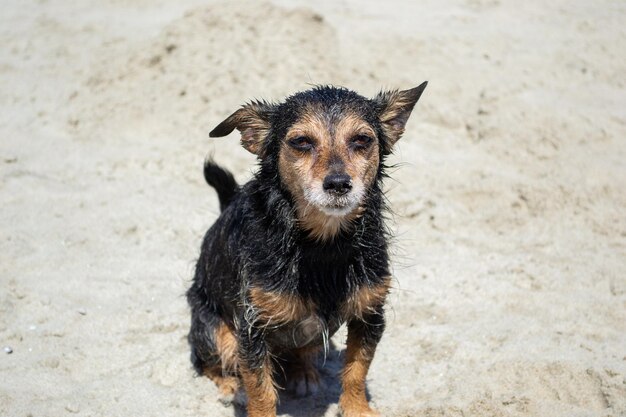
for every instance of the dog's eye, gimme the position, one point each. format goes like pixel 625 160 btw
pixel 301 143
pixel 361 141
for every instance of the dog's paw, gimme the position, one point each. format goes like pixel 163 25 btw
pixel 355 407
pixel 237 398
pixel 241 398
pixel 304 383
pixel 362 413
pixel 230 391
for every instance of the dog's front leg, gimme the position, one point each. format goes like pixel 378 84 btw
pixel 364 333
pixel 256 371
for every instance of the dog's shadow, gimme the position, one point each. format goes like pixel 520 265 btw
pixel 316 405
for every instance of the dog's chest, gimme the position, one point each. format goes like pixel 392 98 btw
pixel 329 284
pixel 310 330
pixel 293 321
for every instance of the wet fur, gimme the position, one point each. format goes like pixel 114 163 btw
pixel 262 275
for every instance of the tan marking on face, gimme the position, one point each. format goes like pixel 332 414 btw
pixel 303 172
pixel 365 300
pixel 321 226
pixel 278 308
pixel 361 164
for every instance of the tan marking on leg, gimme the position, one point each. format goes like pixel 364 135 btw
pixel 259 385
pixel 277 308
pixel 224 375
pixel 353 402
pixel 365 300
pixel 226 344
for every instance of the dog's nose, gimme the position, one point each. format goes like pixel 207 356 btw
pixel 337 184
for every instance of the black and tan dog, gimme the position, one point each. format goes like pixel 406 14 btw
pixel 300 249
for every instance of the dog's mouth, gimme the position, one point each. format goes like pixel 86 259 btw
pixel 337 210
pixel 334 205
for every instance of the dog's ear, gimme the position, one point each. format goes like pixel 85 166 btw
pixel 253 121
pixel 395 109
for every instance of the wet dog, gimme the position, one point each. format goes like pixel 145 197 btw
pixel 300 249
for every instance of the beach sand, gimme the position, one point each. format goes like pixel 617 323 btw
pixel 508 194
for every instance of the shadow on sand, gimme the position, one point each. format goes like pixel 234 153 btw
pixel 318 404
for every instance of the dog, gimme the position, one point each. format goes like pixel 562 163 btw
pixel 300 249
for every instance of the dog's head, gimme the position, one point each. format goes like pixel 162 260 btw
pixel 328 144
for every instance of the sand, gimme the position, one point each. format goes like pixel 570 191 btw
pixel 509 197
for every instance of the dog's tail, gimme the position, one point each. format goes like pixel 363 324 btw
pixel 223 182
